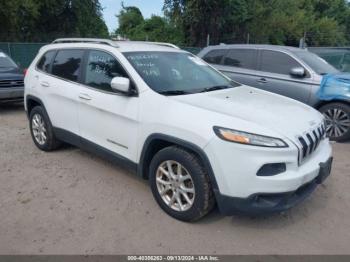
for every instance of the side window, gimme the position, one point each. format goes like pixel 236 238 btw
pixel 243 58
pixel 215 56
pixel 45 61
pixel 101 69
pixel 67 64
pixel 277 62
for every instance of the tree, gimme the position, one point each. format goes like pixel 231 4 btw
pixel 44 20
pixel 266 21
pixel 133 26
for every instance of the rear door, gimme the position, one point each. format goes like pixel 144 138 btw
pixel 60 89
pixel 106 118
pixel 274 75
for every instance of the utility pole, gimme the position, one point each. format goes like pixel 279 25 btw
pixel 248 38
pixel 208 40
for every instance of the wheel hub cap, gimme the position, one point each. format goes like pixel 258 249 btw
pixel 175 186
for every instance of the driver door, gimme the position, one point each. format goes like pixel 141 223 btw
pixel 106 118
pixel 274 76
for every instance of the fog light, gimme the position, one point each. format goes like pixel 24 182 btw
pixel 272 169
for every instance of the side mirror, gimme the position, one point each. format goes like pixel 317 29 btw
pixel 121 85
pixel 297 72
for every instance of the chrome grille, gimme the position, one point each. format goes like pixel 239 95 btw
pixel 310 141
pixel 11 83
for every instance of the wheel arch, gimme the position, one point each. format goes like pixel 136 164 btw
pixel 31 102
pixel 324 102
pixel 156 142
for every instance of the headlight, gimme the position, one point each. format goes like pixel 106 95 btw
pixel 248 138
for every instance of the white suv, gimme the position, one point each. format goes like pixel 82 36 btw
pixel 197 136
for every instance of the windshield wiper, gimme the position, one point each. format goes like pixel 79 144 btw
pixel 174 92
pixel 215 88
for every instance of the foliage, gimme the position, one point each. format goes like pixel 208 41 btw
pixel 266 21
pixel 44 20
pixel 133 26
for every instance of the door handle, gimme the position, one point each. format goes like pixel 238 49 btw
pixel 84 97
pixel 262 80
pixel 45 84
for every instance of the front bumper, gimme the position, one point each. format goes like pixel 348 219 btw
pixel 236 166
pixel 262 204
pixel 12 94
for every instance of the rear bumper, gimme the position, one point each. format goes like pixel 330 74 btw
pixel 12 94
pixel 262 204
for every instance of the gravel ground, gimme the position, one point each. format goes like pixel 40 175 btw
pixel 72 202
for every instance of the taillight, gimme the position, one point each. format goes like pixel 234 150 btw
pixel 25 70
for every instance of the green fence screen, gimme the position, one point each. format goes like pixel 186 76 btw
pixel 22 53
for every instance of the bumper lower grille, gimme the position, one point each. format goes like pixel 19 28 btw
pixel 11 83
pixel 310 141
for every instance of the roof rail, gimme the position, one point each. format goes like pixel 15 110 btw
pixel 85 40
pixel 158 43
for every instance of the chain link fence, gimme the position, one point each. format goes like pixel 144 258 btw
pixel 22 53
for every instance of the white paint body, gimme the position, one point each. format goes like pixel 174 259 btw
pixel 102 117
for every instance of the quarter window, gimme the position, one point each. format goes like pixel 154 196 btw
pixel 243 58
pixel 67 64
pixel 277 62
pixel 45 61
pixel 215 56
pixel 101 69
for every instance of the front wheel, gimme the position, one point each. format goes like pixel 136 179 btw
pixel 180 184
pixel 337 117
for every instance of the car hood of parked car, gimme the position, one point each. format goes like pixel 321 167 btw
pixel 11 73
pixel 283 115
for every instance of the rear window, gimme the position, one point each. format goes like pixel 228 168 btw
pixel 215 56
pixel 45 61
pixel 243 58
pixel 67 64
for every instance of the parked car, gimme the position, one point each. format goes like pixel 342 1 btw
pixel 288 71
pixel 198 137
pixel 339 57
pixel 11 80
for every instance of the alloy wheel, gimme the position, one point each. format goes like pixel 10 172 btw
pixel 337 121
pixel 175 185
pixel 39 129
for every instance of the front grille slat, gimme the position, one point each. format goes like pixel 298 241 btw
pixel 310 141
pixel 11 83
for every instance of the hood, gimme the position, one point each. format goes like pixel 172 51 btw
pixel 283 115
pixel 11 74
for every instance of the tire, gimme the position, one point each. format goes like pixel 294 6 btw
pixel 337 120
pixel 40 123
pixel 201 200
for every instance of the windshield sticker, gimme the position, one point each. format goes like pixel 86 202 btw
pixel 2 54
pixel 142 57
pixel 197 60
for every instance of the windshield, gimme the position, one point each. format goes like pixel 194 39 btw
pixel 318 64
pixel 6 62
pixel 175 73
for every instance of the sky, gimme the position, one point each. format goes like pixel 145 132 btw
pixel 112 8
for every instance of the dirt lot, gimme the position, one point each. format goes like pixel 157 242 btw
pixel 72 202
